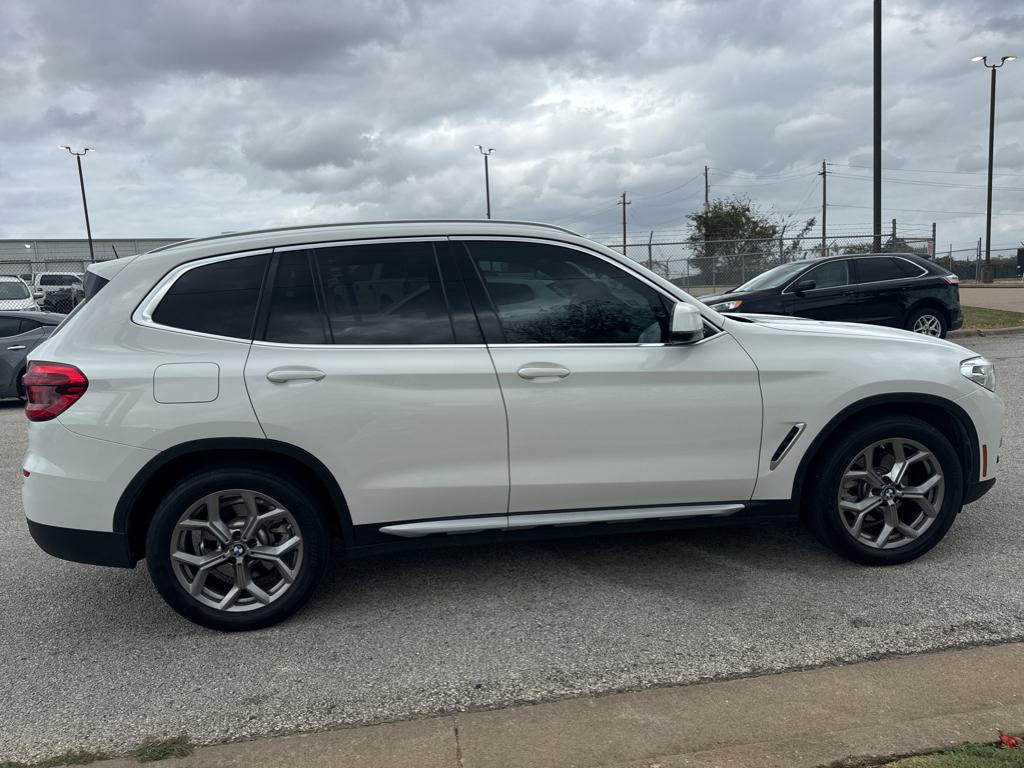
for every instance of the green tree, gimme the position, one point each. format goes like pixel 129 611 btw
pixel 736 237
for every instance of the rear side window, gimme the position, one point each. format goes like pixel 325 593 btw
pixel 28 325
pixel 58 280
pixel 9 326
pixel 877 269
pixel 908 268
pixel 218 298
pixel 384 293
pixel 293 316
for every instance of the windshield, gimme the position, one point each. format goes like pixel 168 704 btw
pixel 13 290
pixel 773 278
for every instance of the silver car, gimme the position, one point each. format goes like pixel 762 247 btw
pixel 20 333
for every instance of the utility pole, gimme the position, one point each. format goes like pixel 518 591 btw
pixel 707 190
pixel 878 129
pixel 487 176
pixel 824 205
pixel 624 202
pixel 85 205
pixel 892 242
pixel 650 251
pixel 986 275
pixel 935 244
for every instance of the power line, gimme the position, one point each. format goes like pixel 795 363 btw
pixel 916 182
pixel 929 170
pixel 926 210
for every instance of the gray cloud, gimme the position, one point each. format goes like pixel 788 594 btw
pixel 213 115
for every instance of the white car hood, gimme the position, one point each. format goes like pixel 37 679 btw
pixel 803 325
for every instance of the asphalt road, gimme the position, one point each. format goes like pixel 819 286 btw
pixel 90 657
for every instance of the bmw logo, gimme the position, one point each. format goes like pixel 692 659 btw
pixel 889 493
pixel 237 550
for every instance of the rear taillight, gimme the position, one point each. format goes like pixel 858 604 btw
pixel 51 388
pixel 951 279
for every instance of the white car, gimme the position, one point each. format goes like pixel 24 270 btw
pixel 233 409
pixel 15 295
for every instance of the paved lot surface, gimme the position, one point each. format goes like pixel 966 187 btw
pixel 993 298
pixel 90 657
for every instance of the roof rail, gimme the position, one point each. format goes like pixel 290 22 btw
pixel 228 235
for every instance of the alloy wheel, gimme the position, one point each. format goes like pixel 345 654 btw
pixel 929 325
pixel 891 493
pixel 236 550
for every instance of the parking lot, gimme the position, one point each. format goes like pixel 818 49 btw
pixel 93 658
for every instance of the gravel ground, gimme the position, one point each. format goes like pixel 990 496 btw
pixel 90 657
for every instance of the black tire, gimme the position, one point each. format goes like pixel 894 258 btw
pixel 312 531
pixel 932 314
pixel 822 513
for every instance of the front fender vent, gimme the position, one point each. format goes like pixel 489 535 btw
pixel 786 444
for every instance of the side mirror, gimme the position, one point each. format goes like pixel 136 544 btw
pixel 805 285
pixel 37 295
pixel 687 325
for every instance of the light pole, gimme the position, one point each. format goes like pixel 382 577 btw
pixel 81 183
pixel 487 175
pixel 986 274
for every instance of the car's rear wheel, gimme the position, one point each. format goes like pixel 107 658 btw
pixel 886 492
pixel 928 321
pixel 237 549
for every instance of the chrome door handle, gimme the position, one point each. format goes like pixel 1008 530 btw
pixel 281 375
pixel 543 372
pixel 17 346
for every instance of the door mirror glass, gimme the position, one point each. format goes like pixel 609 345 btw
pixel 38 295
pixel 687 324
pixel 805 285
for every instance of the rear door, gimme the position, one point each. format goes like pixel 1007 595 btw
pixel 18 337
pixel 370 360
pixel 882 289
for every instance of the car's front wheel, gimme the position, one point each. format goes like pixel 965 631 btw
pixel 928 321
pixel 886 492
pixel 236 548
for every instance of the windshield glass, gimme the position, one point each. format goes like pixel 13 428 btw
pixel 773 278
pixel 13 290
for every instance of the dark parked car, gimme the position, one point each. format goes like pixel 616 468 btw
pixel 895 289
pixel 62 300
pixel 20 333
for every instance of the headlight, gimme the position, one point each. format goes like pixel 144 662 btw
pixel 980 371
pixel 727 306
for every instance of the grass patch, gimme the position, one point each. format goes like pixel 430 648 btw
pixel 970 756
pixel 152 750
pixel 980 317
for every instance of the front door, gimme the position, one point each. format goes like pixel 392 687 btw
pixel 602 413
pixel 366 359
pixel 832 298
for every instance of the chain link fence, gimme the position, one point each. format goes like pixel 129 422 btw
pixel 704 267
pixel 48 273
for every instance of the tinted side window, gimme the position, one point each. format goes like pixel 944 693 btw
pixel 294 316
pixel 28 325
pixel 547 294
pixel 831 275
pixel 908 268
pixel 218 298
pixel 880 268
pixel 9 326
pixel 386 293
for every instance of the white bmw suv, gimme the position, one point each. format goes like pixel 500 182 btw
pixel 233 409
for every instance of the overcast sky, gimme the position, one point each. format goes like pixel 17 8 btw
pixel 212 116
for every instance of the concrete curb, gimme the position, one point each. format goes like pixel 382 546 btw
pixel 966 333
pixel 857 714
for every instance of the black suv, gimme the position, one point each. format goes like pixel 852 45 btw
pixel 895 289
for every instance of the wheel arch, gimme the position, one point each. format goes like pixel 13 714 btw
pixel 140 498
pixel 945 415
pixel 928 303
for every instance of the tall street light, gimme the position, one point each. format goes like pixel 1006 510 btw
pixel 487 175
pixel 986 274
pixel 81 183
